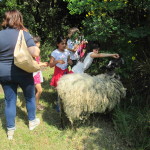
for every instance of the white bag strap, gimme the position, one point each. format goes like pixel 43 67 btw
pixel 21 37
pixel 19 40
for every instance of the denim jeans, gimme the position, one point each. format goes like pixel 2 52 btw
pixel 10 90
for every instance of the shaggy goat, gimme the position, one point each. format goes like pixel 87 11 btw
pixel 82 94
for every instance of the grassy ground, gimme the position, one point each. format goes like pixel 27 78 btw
pixel 97 134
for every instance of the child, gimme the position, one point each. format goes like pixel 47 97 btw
pixel 81 48
pixel 92 51
pixel 38 77
pixel 72 44
pixel 60 58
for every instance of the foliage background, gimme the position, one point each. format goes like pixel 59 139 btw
pixel 121 26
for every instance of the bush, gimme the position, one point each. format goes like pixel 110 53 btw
pixel 133 124
pixel 46 49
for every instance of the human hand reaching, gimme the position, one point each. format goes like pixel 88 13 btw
pixel 43 64
pixel 115 55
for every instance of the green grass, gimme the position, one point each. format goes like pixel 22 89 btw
pixel 92 135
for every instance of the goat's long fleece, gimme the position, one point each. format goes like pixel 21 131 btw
pixel 82 94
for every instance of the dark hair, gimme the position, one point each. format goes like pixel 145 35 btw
pixel 89 48
pixel 36 39
pixel 13 19
pixel 60 39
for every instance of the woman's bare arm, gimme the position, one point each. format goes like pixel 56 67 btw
pixel 34 51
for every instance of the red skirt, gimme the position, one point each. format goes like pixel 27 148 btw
pixel 58 73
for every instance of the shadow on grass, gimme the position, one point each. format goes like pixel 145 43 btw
pixel 98 134
pixel 45 84
pixel 2 116
pixel 50 115
pixel 101 133
pixel 20 113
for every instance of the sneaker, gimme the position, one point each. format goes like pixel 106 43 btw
pixel 10 134
pixel 34 123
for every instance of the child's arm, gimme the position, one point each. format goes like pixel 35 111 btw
pixel 53 62
pixel 69 61
pixel 100 55
pixel 74 49
pixel 43 64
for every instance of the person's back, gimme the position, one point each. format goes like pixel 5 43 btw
pixel 11 76
pixel 80 67
pixel 8 39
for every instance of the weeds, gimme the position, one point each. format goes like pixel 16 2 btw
pixel 133 125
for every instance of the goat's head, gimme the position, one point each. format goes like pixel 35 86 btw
pixel 112 65
pixel 115 63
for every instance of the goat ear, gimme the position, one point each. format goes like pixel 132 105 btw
pixel 110 62
pixel 122 61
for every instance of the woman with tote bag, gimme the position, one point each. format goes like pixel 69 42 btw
pixel 11 76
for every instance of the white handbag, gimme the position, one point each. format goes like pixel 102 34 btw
pixel 22 57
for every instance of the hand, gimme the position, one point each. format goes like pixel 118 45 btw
pixel 76 47
pixel 43 64
pixel 115 56
pixel 61 61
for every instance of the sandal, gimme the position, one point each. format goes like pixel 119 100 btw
pixel 39 107
pixel 42 106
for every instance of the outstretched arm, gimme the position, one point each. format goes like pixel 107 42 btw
pixel 100 55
